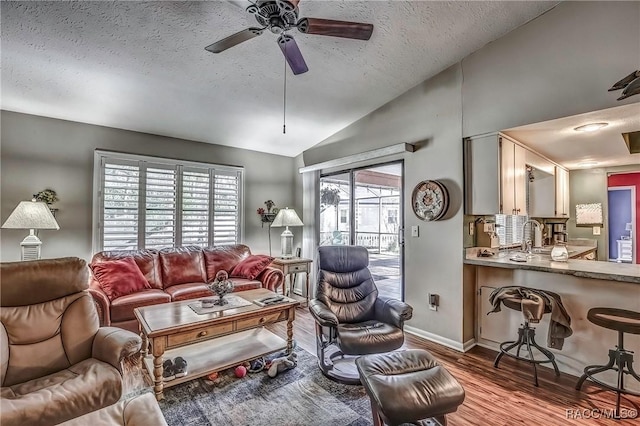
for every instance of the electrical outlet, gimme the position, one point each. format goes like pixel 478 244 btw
pixel 596 230
pixel 415 231
pixel 434 301
pixel 471 226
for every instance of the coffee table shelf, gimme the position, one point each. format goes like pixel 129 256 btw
pixel 221 353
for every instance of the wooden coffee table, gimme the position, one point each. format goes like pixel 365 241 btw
pixel 214 341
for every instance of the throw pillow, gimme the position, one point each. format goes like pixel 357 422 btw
pixel 251 266
pixel 119 277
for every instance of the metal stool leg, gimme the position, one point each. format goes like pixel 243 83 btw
pixel 547 353
pixel 535 368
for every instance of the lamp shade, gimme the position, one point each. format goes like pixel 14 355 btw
pixel 286 217
pixel 31 215
pixel 628 227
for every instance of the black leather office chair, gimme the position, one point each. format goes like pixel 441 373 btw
pixel 351 319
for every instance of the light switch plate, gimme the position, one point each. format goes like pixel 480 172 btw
pixel 596 230
pixel 471 225
pixel 415 231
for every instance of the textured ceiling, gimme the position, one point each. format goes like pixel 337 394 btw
pixel 558 140
pixel 142 65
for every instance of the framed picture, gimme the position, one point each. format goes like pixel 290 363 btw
pixel 589 214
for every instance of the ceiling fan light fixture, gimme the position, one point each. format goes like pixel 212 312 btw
pixel 591 127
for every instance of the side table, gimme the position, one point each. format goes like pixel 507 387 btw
pixel 290 267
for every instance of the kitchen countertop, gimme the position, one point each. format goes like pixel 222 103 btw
pixel 611 271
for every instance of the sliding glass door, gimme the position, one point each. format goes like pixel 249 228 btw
pixel 364 207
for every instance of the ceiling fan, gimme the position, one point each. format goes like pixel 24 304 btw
pixel 280 16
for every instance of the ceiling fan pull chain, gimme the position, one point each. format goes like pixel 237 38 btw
pixel 284 96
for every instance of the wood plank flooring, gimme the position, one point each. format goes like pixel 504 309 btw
pixel 494 397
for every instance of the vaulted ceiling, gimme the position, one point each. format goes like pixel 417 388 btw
pixel 142 65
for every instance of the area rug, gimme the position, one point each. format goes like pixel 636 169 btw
pixel 302 396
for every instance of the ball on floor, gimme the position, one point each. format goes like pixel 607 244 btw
pixel 241 371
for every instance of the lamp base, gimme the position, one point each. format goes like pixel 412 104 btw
pixel 286 241
pixel 31 247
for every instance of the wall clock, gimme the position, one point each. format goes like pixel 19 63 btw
pixel 430 200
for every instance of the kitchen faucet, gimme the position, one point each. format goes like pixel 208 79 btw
pixel 526 244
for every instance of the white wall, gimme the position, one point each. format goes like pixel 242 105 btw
pixel 39 153
pixel 559 64
pixel 430 114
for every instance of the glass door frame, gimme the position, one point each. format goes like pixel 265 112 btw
pixel 352 213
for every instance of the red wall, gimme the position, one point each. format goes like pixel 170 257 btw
pixel 630 179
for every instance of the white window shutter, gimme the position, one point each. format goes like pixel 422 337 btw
pixel 195 207
pixel 226 211
pixel 160 207
pixel 120 191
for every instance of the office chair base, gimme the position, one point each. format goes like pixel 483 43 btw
pixel 337 366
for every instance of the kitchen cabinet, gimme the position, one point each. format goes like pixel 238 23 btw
pixel 495 175
pixel 562 192
pixel 513 178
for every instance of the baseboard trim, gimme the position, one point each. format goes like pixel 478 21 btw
pixel 468 345
pixel 460 347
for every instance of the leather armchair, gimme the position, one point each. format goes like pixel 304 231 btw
pixel 351 319
pixel 56 362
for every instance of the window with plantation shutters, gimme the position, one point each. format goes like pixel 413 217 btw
pixel 509 229
pixel 148 202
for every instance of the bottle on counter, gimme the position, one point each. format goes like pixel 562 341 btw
pixel 559 252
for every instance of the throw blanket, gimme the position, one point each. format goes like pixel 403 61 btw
pixel 560 324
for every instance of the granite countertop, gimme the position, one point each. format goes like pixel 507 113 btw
pixel 611 271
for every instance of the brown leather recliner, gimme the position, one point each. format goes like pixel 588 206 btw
pixel 56 362
pixel 351 319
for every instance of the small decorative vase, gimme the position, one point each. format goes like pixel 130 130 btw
pixel 221 286
pixel 559 252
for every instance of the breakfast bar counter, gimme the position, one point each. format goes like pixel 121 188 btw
pixel 610 271
pixel 582 285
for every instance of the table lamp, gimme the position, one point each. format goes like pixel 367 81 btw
pixel 629 227
pixel 31 215
pixel 286 217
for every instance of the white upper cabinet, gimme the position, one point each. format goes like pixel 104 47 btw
pixel 562 192
pixel 513 178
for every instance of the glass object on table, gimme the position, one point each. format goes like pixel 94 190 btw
pixel 559 252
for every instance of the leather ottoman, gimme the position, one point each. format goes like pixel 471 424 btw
pixel 142 410
pixel 408 387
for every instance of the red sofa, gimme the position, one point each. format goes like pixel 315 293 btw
pixel 174 274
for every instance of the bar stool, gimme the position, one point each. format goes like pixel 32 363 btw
pixel 526 336
pixel 622 321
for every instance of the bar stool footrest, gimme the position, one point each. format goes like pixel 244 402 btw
pixel 549 359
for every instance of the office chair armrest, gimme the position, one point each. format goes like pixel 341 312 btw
pixel 322 314
pixel 392 311
pixel 113 344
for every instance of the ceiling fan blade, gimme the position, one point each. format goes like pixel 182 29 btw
pixel 329 27
pixel 292 53
pixel 623 83
pixel 234 39
pixel 632 88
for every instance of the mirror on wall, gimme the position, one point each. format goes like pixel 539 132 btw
pixel 541 191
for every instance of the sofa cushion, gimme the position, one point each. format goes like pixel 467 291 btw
pixel 188 291
pixel 182 265
pixel 122 307
pixel 147 260
pixel 83 387
pixel 223 258
pixel 119 277
pixel 251 266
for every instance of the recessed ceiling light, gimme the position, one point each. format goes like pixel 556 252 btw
pixel 587 163
pixel 591 127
